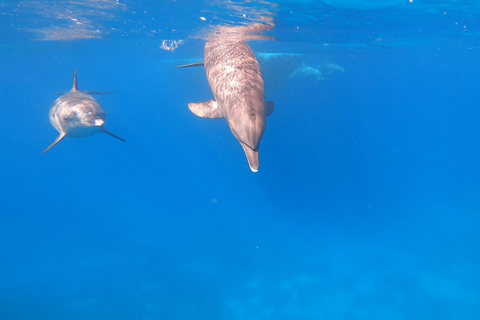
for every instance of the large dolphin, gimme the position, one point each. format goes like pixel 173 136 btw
pixel 77 114
pixel 236 80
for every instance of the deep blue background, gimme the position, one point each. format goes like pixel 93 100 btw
pixel 366 205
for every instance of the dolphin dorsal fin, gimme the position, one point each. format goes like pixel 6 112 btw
pixel 75 86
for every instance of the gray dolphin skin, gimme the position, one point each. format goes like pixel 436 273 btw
pixel 236 80
pixel 77 114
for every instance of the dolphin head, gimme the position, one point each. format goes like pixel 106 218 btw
pixel 248 121
pixel 91 116
pixel 79 115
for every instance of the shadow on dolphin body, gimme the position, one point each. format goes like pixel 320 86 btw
pixel 236 81
pixel 77 114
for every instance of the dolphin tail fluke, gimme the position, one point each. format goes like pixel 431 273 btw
pixel 96 92
pixel 253 157
pixel 60 138
pixel 208 109
pixel 197 64
pixel 269 106
pixel 112 134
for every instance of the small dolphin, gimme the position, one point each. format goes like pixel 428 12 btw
pixel 77 114
pixel 236 80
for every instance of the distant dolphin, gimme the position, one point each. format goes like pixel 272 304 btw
pixel 236 80
pixel 77 114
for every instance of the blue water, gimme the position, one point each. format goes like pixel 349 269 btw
pixel 366 204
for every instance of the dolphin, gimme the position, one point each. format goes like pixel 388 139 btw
pixel 236 81
pixel 77 114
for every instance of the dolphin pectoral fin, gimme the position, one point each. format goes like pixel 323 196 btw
pixel 208 109
pixel 112 134
pixel 253 157
pixel 269 108
pixel 60 138
pixel 197 64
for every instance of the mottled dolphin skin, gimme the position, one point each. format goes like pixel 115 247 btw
pixel 237 84
pixel 77 114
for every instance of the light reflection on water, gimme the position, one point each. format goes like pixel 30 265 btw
pixel 348 24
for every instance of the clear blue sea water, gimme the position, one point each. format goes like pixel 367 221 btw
pixel 366 204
